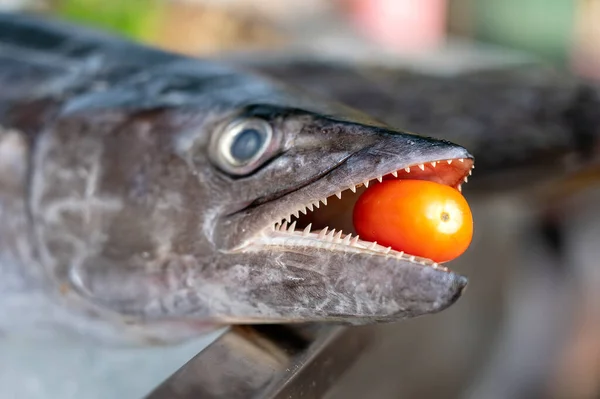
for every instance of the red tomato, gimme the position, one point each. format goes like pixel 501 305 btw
pixel 418 217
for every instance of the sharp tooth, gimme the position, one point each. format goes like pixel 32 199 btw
pixel 303 211
pixel 433 164
pixel 354 241
pixel 395 173
pixel 407 169
pixel 387 250
pixel 292 226
pixel 353 188
pixel 470 172
pixel 461 160
pixel 323 233
pixel 449 161
pixel 366 183
pixel 307 230
pixel 346 239
pixel 412 258
pixel 435 265
pixel 339 195
pixel 317 204
pixel 324 201
pixel 296 214
pixel 460 188
pixel 310 207
pixel 283 226
pixel 338 236
pixel 373 245
pixel 380 178
pixel 466 179
pixel 422 167
pixel 329 236
pixel 401 254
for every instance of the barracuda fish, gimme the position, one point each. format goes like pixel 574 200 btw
pixel 147 197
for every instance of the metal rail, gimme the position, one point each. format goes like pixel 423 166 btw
pixel 268 362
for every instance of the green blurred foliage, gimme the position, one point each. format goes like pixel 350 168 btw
pixel 542 27
pixel 135 19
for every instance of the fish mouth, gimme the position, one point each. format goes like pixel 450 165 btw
pixel 326 223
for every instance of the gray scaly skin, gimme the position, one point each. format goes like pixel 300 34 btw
pixel 126 215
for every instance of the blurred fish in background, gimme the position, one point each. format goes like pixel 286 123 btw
pixel 494 75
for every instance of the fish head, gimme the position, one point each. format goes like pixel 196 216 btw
pixel 171 220
pixel 291 248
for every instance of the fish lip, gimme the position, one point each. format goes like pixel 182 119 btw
pixel 270 236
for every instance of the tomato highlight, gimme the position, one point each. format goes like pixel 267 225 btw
pixel 419 217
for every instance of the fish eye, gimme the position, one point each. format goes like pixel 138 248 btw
pixel 246 144
pixel 240 147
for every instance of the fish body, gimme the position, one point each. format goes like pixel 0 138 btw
pixel 147 197
pixel 525 124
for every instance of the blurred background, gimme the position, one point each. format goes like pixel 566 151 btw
pixel 529 324
pixel 564 32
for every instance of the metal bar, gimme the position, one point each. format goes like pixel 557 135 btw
pixel 268 362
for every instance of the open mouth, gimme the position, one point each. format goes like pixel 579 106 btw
pixel 326 223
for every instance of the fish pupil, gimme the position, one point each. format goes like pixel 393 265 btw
pixel 247 144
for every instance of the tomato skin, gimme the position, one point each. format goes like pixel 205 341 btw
pixel 419 217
